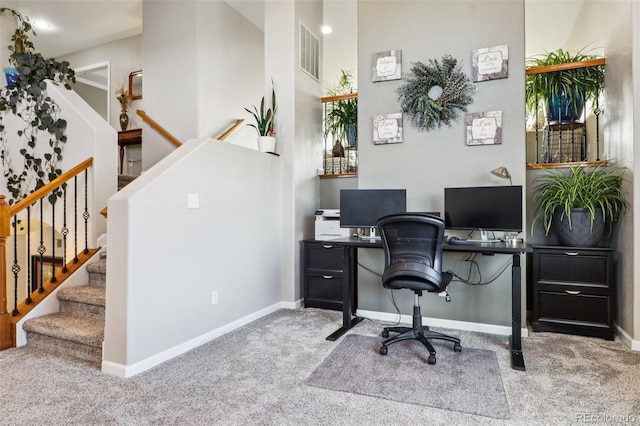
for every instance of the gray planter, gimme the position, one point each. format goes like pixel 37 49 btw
pixel 580 233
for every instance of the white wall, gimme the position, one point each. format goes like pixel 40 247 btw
pixel 168 259
pixel 425 162
pixel 341 46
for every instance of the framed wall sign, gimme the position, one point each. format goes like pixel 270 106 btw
pixel 387 129
pixel 43 266
pixel 484 128
pixel 491 63
pixel 387 65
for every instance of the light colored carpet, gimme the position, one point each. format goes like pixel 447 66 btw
pixel 255 376
pixel 403 375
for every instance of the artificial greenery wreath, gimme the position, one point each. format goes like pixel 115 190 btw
pixel 435 94
pixel 26 97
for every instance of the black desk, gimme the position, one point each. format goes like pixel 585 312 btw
pixel 350 273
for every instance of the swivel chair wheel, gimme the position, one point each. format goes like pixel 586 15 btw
pixel 457 347
pixel 385 333
pixel 383 350
pixel 431 360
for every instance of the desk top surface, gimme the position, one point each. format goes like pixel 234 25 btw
pixel 495 248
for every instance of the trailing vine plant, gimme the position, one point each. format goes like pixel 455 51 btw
pixel 435 94
pixel 26 97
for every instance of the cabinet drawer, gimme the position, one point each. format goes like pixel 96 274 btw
pixel 573 309
pixel 572 266
pixel 324 256
pixel 323 291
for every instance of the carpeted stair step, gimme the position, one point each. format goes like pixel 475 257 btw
pixel 124 180
pixel 97 272
pixel 86 301
pixel 67 335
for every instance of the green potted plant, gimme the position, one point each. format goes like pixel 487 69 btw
pixel 563 93
pixel 341 118
pixel 264 122
pixel 579 202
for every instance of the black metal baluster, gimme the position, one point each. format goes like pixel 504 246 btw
pixel 537 125
pixel 52 201
pixel 15 268
pixel 41 250
pixel 64 231
pixel 86 215
pixel 75 220
pixel 597 113
pixel 30 288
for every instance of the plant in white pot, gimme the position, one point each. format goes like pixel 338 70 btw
pixel 579 202
pixel 265 119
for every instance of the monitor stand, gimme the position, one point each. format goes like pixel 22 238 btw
pixel 484 238
pixel 371 236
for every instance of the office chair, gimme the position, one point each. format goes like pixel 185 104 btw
pixel 413 260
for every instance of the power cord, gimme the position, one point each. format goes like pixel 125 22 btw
pixel 393 299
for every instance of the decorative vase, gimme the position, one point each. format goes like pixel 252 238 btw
pixel 352 134
pixel 560 108
pixel 124 120
pixel 580 234
pixel 11 74
pixel 267 144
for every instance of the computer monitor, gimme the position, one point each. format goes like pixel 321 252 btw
pixel 361 208
pixel 484 208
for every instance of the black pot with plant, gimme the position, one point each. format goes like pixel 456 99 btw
pixel 580 202
pixel 563 93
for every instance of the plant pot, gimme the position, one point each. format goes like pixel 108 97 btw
pixel 267 144
pixel 352 134
pixel 11 74
pixel 560 108
pixel 580 233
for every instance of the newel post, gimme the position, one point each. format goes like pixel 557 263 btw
pixel 5 231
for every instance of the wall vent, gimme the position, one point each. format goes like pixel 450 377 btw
pixel 309 52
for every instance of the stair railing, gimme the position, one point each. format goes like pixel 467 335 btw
pixel 158 128
pixel 34 276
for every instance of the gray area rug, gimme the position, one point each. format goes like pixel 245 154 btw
pixel 467 381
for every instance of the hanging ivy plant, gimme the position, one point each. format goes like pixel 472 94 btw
pixel 26 97
pixel 435 94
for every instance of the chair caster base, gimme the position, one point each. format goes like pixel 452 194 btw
pixel 383 350
pixel 457 347
pixel 431 360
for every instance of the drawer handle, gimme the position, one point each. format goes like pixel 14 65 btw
pixel 327 277
pixel 327 246
pixel 571 253
pixel 573 292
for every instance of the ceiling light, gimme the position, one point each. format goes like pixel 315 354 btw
pixel 326 29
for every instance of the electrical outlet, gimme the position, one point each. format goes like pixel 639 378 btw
pixel 193 201
pixel 214 297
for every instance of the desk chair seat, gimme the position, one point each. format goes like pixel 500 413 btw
pixel 413 246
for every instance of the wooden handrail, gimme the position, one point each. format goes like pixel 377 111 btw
pixel 565 67
pixel 41 192
pixel 5 231
pixel 338 97
pixel 231 129
pixel 158 128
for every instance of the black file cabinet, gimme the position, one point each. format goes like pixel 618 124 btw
pixel 323 267
pixel 574 291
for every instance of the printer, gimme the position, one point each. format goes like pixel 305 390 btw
pixel 328 225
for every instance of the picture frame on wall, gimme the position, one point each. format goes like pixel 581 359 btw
pixel 387 129
pixel 484 128
pixel 491 63
pixel 387 66
pixel 47 263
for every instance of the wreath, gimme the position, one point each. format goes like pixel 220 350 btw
pixel 435 94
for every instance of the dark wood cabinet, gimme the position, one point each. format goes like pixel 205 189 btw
pixel 323 267
pixel 574 290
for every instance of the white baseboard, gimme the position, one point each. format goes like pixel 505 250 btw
pixel 444 323
pixel 126 371
pixel 634 345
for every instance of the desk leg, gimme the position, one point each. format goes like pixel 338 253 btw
pixel 349 292
pixel 515 343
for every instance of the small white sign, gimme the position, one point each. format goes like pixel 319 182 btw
pixel 491 63
pixel 387 66
pixel 484 128
pixel 387 129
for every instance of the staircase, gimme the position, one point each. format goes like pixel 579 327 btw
pixel 78 329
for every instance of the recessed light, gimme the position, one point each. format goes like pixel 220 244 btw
pixel 326 29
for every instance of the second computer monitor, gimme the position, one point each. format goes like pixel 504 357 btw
pixel 361 208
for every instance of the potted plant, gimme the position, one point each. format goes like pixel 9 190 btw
pixel 563 93
pixel 341 119
pixel 579 202
pixel 265 120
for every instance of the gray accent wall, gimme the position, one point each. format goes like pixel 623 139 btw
pixel 426 162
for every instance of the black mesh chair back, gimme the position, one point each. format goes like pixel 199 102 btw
pixel 413 245
pixel 413 252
